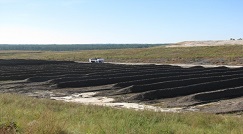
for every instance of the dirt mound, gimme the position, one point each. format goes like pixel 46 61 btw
pixel 207 43
pixel 170 85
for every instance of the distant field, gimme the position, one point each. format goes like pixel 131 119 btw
pixel 231 54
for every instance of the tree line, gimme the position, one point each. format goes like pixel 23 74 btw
pixel 235 39
pixel 73 47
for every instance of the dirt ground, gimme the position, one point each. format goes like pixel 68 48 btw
pixel 167 88
pixel 207 43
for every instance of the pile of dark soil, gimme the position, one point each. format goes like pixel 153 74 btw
pixel 172 85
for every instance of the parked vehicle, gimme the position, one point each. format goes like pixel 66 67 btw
pixel 96 60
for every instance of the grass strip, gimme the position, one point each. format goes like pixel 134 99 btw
pixel 31 115
pixel 228 54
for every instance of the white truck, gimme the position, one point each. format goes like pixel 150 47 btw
pixel 96 60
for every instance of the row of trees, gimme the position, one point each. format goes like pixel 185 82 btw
pixel 235 39
pixel 74 47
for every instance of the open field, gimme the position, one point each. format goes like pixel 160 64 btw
pixel 209 90
pixel 218 89
pixel 228 54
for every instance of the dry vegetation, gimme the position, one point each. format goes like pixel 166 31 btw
pixel 40 116
pixel 231 55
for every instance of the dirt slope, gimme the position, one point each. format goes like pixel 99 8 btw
pixel 207 43
pixel 215 90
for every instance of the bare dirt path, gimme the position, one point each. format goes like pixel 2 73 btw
pixel 89 98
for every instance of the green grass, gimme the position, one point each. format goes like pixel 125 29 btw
pixel 231 54
pixel 48 116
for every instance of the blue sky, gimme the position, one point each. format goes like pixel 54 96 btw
pixel 118 21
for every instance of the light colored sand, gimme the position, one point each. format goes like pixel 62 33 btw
pixel 207 43
pixel 181 65
pixel 206 66
pixel 89 99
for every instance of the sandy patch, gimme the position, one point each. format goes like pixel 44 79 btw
pixel 90 99
pixel 207 43
pixel 206 66
pixel 181 65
